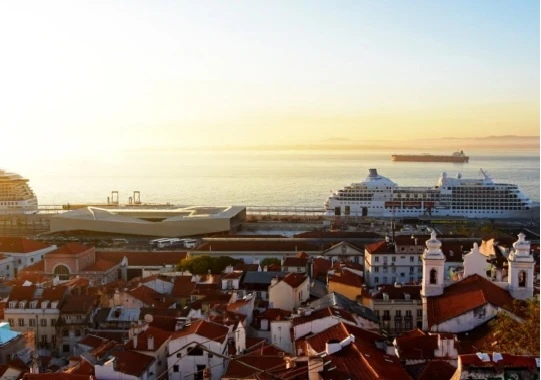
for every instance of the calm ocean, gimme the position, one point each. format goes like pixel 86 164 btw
pixel 268 178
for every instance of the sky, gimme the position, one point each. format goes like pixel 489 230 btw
pixel 84 77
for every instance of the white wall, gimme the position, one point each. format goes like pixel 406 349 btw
pixel 280 335
pixel 160 286
pixel 188 364
pixel 467 321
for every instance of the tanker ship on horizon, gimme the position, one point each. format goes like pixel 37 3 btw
pixel 458 156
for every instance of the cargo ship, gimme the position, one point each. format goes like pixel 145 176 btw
pixel 458 156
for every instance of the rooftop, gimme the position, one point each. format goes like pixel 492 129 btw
pixel 20 245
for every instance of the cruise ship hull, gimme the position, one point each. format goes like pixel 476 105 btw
pixel 378 196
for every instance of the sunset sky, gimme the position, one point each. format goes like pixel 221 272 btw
pixel 102 74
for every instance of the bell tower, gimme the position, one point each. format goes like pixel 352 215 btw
pixel 433 273
pixel 521 269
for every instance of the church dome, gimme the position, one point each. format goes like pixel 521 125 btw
pixel 433 244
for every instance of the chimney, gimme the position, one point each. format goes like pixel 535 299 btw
pixel 265 268
pixel 150 343
pixel 332 346
pixel 206 374
pixel 135 341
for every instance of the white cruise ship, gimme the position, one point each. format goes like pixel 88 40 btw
pixel 378 196
pixel 16 197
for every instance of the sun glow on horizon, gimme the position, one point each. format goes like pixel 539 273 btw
pixel 83 77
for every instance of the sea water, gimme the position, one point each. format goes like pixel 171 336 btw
pixel 256 178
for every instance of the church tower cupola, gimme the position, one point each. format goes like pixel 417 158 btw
pixel 521 269
pixel 433 268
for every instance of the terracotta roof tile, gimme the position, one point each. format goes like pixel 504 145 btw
pixel 283 245
pixel 513 361
pixel 345 277
pixel 294 280
pixel 398 292
pixel 273 314
pixel 55 376
pixel 93 341
pixel 294 262
pixel 380 247
pixel 323 313
pixel 36 267
pixel 70 249
pixel 151 298
pixel 100 266
pixel 463 296
pixel 209 330
pixel 183 287
pixel 20 245
pixel 142 259
pixel 416 344
pixel 437 369
pixel 78 304
pixel 132 363
pixel 159 336
pixel 232 275
pixel 243 367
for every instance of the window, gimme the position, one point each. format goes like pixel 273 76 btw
pixel 21 321
pixel 411 259
pixel 62 272
pixel 299 269
pixel 11 322
pixel 376 279
pixel 398 313
pixel 376 259
pixel 195 351
pixel 419 313
pixel 408 313
pixel 32 322
pixel 175 368
pixel 433 276
pixel 43 322
pixel 412 269
pixel 65 332
pixel 66 348
pixel 376 269
pixel 384 280
pixel 44 339
pixel 31 259
pixel 53 322
pixel 393 259
pixel 522 279
pixel 77 332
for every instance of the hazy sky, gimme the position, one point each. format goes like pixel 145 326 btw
pixel 79 75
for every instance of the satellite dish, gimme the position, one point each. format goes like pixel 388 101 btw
pixel 148 318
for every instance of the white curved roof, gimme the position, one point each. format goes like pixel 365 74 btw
pixel 374 180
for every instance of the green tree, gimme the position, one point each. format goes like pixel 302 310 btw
pixel 269 261
pixel 202 264
pixel 510 336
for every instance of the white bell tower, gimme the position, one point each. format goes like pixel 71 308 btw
pixel 433 268
pixel 521 269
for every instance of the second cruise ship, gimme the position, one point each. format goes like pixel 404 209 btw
pixel 378 196
pixel 16 196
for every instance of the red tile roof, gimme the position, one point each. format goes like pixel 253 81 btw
pixel 38 267
pixel 70 249
pixel 284 245
pixel 437 369
pixel 232 275
pixel 295 262
pixel 183 287
pixel 398 292
pixel 380 247
pixel 20 245
pixel 463 296
pixel 100 266
pixel 30 293
pixel 321 266
pixel 514 361
pixel 78 304
pixel 151 298
pixel 209 330
pixel 416 344
pixel 143 259
pixel 132 363
pixel 56 376
pixel 323 313
pixel 160 337
pixel 82 368
pixel 346 277
pixel 274 314
pixel 244 367
pixel 294 280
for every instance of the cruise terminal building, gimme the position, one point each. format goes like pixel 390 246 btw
pixel 179 222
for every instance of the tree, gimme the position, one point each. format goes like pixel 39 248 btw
pixel 269 261
pixel 512 337
pixel 202 264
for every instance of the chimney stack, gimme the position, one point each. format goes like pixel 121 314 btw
pixel 150 343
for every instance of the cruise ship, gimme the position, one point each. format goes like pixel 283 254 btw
pixel 16 196
pixel 378 196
